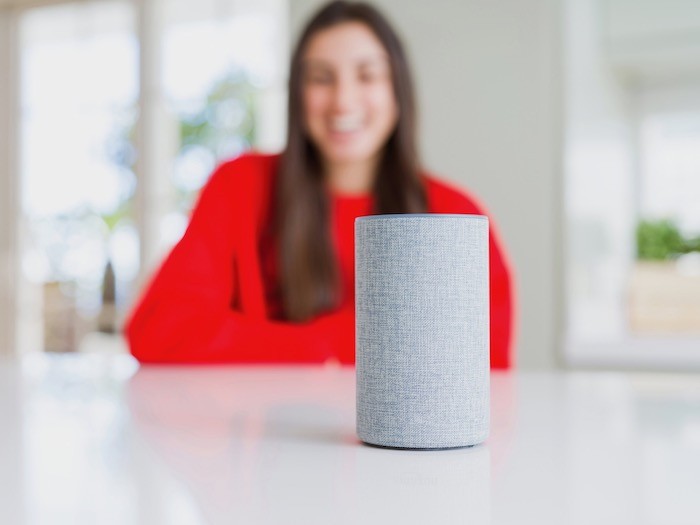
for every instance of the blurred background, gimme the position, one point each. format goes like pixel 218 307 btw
pixel 577 123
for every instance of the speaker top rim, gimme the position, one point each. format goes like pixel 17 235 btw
pixel 422 216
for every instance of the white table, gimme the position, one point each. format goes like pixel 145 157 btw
pixel 92 440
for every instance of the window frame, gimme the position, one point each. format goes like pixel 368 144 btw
pixel 9 187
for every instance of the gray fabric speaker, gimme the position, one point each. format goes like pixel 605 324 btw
pixel 422 330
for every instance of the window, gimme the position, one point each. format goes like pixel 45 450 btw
pixel 78 87
pixel 632 187
pixel 223 72
pixel 124 110
pixel 665 284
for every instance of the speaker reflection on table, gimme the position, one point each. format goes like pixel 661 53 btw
pixel 422 330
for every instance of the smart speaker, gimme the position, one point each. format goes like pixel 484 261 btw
pixel 422 330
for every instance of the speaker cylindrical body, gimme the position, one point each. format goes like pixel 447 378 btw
pixel 422 330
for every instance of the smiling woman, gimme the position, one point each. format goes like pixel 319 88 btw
pixel 265 270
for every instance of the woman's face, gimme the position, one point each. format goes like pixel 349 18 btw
pixel 349 105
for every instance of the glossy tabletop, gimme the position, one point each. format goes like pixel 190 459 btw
pixel 93 439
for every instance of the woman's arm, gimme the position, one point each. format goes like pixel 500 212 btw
pixel 502 303
pixel 185 314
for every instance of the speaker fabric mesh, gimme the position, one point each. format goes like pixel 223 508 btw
pixel 422 330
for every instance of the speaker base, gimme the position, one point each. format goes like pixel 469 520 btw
pixel 374 445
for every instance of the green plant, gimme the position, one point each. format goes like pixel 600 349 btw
pixel 228 112
pixel 662 240
pixel 223 126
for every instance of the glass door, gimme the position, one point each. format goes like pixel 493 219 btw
pixel 78 244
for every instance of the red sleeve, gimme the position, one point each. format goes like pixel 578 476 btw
pixel 501 298
pixel 450 200
pixel 184 316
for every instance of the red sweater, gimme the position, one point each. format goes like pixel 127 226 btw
pixel 213 299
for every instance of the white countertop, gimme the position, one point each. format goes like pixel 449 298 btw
pixel 93 440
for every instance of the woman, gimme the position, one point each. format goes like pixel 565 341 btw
pixel 265 270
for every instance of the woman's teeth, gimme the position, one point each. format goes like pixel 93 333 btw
pixel 346 124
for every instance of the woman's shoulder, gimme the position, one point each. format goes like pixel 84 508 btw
pixel 244 182
pixel 448 197
pixel 250 169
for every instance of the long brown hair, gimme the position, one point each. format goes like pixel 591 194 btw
pixel 309 273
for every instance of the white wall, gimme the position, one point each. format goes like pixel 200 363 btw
pixel 489 86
